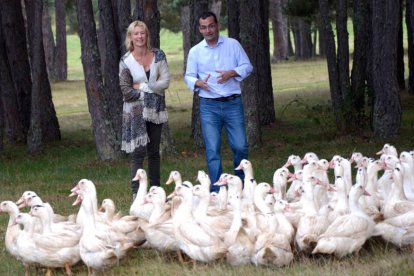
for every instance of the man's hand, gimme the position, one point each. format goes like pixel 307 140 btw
pixel 203 83
pixel 225 75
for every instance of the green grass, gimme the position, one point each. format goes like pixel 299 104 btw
pixel 304 123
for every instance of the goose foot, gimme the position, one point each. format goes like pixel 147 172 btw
pixel 68 269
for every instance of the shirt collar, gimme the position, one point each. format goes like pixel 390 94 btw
pixel 220 40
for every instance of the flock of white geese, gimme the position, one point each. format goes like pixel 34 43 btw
pixel 245 222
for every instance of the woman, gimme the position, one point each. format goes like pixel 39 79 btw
pixel 143 78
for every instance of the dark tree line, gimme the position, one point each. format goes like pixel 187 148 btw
pixel 370 89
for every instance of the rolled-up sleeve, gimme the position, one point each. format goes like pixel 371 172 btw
pixel 191 76
pixel 244 67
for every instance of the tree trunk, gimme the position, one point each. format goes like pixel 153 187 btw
pixel 147 11
pixel 151 16
pixel 343 63
pixel 14 34
pixel 279 25
pixel 333 73
pixel 11 123
pixel 321 39
pixel 61 55
pixel 34 15
pixel 302 38
pixel 185 20
pixel 400 49
pixel 196 7
pixel 1 116
pixel 359 62
pixel 233 13
pixel 216 7
pixel 410 41
pixel 387 105
pixel 291 52
pixel 104 134
pixel 250 32
pixel 48 40
pixel 44 126
pixel 266 106
pixel 124 19
pixel 112 92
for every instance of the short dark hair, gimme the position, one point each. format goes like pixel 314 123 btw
pixel 206 14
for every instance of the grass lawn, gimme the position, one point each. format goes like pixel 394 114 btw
pixel 304 123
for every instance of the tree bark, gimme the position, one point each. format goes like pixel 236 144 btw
pixel 400 49
pixel 104 134
pixel 61 53
pixel 302 38
pixel 11 123
pixel 48 41
pixel 233 12
pixel 321 38
pixel 196 7
pixel 250 32
pixel 330 48
pixel 124 19
pixel 359 62
pixel 387 105
pixel 279 26
pixel 148 9
pixel 112 92
pixel 44 125
pixel 409 19
pixel 343 55
pixel 216 7
pixel 34 11
pixel 14 34
pixel 265 90
pixel 185 20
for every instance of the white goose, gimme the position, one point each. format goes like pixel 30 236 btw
pixel 407 161
pixel 197 243
pixel 397 204
pixel 347 170
pixel 280 178
pixel 215 221
pixel 238 239
pixel 137 208
pixel 249 181
pixel 125 224
pixel 272 248
pixel 342 204
pixel 295 161
pixel 294 192
pixel 56 246
pixel 13 230
pixel 100 247
pixel 348 233
pixel 312 223
pixel 398 230
pixel 283 224
pixel 30 198
pixel 356 157
pixel 159 230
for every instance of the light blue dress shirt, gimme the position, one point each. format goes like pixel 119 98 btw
pixel 227 54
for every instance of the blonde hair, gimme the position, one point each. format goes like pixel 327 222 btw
pixel 128 42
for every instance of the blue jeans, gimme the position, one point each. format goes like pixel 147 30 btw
pixel 214 116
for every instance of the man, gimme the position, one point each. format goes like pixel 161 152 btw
pixel 215 68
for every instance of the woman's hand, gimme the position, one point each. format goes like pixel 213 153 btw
pixel 136 85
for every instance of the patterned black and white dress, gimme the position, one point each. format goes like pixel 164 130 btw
pixel 146 103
